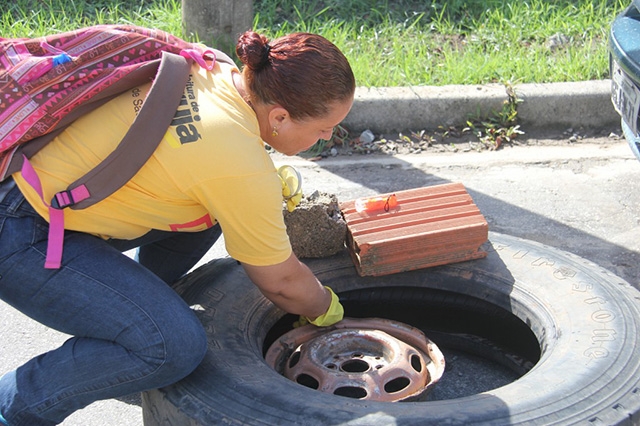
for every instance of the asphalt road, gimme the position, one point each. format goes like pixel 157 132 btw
pixel 582 197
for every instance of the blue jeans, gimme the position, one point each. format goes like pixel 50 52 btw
pixel 131 331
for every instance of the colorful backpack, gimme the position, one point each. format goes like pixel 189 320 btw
pixel 48 82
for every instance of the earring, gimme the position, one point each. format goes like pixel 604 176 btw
pixel 274 133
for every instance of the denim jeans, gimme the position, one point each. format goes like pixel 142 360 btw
pixel 130 331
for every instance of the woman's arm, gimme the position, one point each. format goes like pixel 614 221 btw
pixel 291 286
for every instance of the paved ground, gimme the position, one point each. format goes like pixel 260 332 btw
pixel 582 197
pixel 579 196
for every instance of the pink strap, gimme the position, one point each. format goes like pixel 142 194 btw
pixel 56 219
pixel 70 197
pixel 198 57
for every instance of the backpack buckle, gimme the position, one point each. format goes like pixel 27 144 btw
pixel 62 200
pixel 70 197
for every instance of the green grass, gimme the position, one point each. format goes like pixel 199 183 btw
pixel 391 43
pixel 30 18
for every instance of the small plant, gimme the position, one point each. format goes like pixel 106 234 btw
pixel 339 137
pixel 501 127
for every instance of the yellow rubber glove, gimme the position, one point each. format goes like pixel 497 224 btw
pixel 291 186
pixel 332 316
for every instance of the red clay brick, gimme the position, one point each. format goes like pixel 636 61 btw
pixel 431 226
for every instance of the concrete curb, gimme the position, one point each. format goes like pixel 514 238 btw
pixel 584 104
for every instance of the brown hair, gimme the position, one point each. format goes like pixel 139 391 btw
pixel 304 73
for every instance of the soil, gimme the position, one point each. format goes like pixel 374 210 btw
pixel 451 140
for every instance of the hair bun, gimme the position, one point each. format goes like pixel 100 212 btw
pixel 253 50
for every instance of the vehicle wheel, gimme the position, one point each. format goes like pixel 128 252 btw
pixel 575 326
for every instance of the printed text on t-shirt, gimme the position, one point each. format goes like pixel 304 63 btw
pixel 186 115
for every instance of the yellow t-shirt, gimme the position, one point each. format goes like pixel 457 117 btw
pixel 211 166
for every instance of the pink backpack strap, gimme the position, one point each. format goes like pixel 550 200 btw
pixel 56 219
pixel 200 57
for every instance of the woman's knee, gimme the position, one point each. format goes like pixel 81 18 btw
pixel 185 347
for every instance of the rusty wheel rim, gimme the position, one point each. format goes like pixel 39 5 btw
pixel 368 359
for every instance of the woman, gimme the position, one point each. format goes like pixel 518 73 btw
pixel 210 174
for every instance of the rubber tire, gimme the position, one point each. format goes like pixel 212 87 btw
pixel 586 320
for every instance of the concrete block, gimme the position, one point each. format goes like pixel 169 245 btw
pixel 389 109
pixel 564 105
pixel 316 227
pixel 544 106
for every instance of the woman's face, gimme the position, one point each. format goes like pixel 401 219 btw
pixel 294 137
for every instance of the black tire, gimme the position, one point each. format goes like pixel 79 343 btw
pixel 586 323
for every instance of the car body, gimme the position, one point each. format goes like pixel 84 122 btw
pixel 624 61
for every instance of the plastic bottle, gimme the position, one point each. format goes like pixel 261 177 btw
pixel 375 204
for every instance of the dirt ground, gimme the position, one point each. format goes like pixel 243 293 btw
pixel 451 140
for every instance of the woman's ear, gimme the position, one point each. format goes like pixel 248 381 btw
pixel 278 116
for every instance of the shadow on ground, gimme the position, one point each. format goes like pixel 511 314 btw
pixel 582 207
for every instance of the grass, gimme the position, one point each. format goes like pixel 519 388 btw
pixel 459 42
pixel 395 43
pixel 31 18
pixel 391 43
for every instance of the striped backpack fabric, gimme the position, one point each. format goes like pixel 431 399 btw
pixel 48 82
